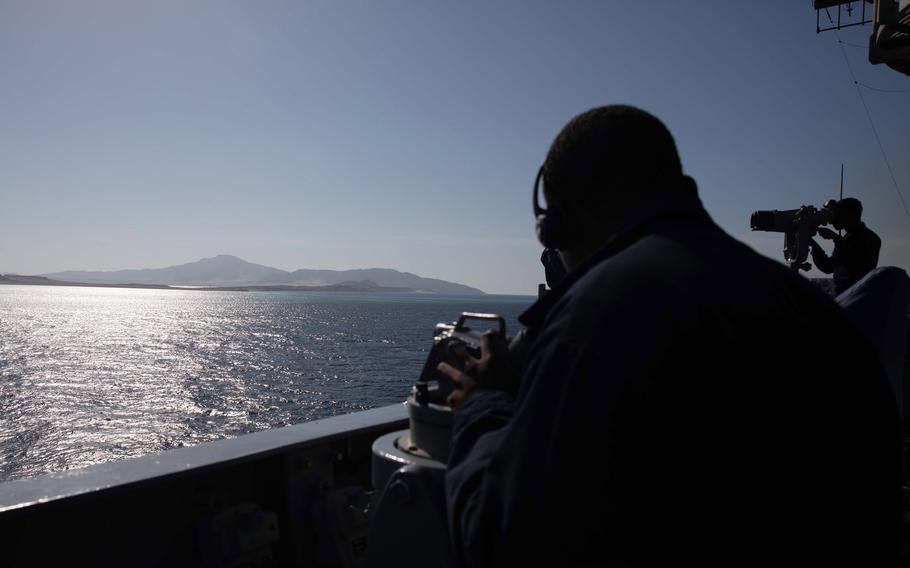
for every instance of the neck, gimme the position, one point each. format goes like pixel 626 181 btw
pixel 594 231
pixel 574 257
pixel 853 228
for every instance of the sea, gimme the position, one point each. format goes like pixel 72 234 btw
pixel 91 375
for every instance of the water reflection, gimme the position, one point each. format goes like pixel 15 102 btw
pixel 89 375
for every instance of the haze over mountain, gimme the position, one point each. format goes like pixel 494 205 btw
pixel 227 270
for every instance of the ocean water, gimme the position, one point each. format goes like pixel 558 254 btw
pixel 90 375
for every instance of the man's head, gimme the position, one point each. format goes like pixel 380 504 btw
pixel 848 213
pixel 604 165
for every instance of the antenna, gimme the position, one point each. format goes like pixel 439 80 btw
pixel 839 232
pixel 847 21
pixel 842 181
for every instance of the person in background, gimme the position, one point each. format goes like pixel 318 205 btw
pixel 671 410
pixel 855 254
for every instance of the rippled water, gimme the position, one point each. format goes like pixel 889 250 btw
pixel 89 375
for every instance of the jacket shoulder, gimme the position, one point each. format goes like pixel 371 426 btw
pixel 638 283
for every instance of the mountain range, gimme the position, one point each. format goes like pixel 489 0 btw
pixel 226 270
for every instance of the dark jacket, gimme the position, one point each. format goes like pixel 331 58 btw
pixel 854 255
pixel 673 409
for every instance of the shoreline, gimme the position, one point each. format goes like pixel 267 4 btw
pixel 16 280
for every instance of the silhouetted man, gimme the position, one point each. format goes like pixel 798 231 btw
pixel 855 254
pixel 670 412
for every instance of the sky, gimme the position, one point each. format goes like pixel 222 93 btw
pixel 406 135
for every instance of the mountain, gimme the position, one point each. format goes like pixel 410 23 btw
pixel 226 270
pixel 382 277
pixel 220 270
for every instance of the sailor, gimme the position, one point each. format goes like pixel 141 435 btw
pixel 670 410
pixel 855 254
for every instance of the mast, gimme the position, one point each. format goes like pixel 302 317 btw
pixel 890 39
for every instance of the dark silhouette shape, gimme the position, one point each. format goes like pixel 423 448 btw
pixel 553 267
pixel 685 400
pixel 877 306
pixel 855 253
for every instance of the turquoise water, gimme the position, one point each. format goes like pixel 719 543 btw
pixel 89 375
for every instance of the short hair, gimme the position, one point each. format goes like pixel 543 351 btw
pixel 850 207
pixel 611 154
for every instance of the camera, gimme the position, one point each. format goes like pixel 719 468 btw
pixel 798 227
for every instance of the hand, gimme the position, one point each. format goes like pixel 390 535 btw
pixel 826 233
pixel 490 371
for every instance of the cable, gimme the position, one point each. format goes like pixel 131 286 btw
pixel 863 84
pixel 882 90
pixel 872 124
pixel 871 88
pixel 853 45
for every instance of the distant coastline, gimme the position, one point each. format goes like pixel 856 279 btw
pixel 226 272
pixel 825 284
pixel 365 286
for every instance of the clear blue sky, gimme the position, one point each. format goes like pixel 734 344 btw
pixel 407 134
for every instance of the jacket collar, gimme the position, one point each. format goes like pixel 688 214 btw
pixel 648 220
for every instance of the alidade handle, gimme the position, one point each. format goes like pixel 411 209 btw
pixel 479 316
